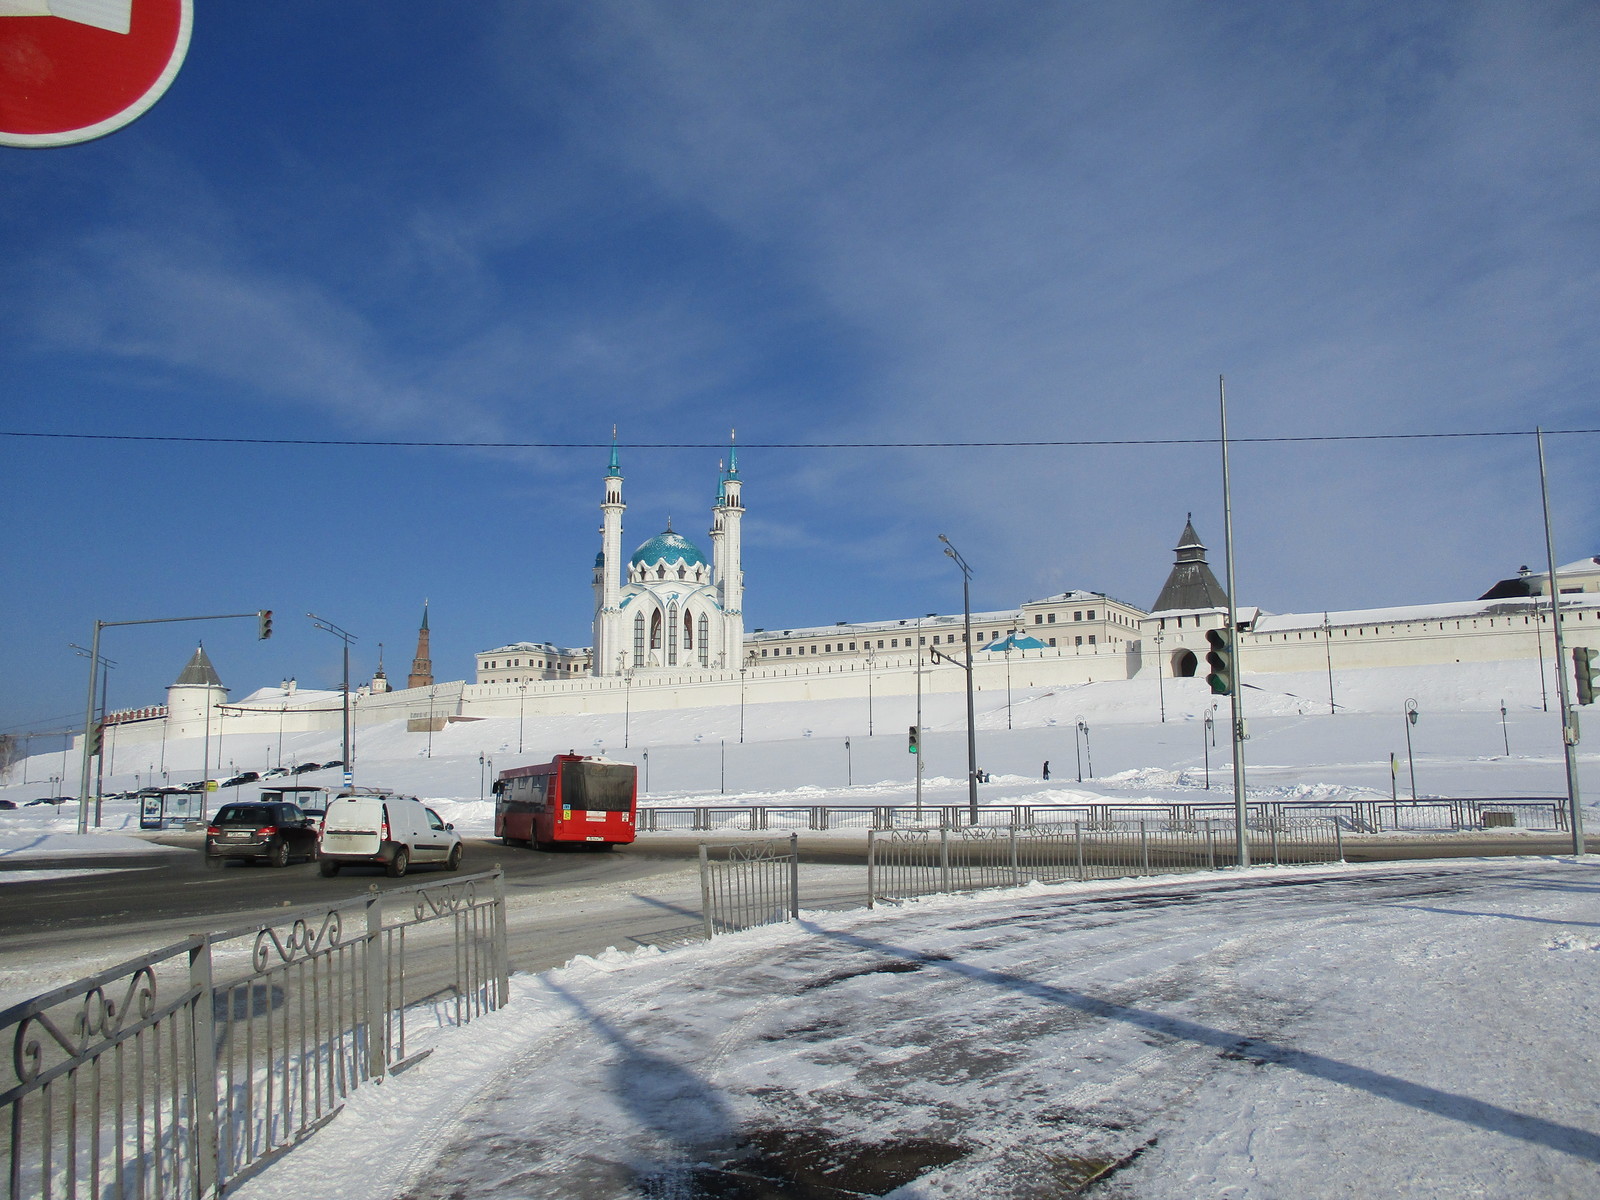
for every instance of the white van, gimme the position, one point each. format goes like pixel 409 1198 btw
pixel 382 829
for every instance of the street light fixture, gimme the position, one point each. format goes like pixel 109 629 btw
pixel 849 774
pixel 1081 730
pixel 329 627
pixel 627 698
pixel 966 614
pixel 1161 684
pixel 1411 719
pixel 522 701
pixel 743 667
pixel 872 659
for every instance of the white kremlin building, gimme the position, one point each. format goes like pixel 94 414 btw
pixel 669 633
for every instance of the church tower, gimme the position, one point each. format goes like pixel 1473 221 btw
pixel 1190 584
pixel 608 643
pixel 421 666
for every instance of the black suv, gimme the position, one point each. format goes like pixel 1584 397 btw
pixel 274 832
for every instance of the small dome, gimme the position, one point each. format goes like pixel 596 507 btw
pixel 669 548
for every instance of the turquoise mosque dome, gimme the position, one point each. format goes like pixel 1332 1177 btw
pixel 669 548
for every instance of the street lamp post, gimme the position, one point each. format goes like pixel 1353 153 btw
pixel 1082 730
pixel 743 667
pixel 849 774
pixel 1327 645
pixel 522 702
pixel 1208 735
pixel 1161 686
pixel 264 616
pixel 919 718
pixel 1569 718
pixel 872 659
pixel 1010 638
pixel 1411 719
pixel 627 699
pixel 480 778
pixel 329 627
pixel 1504 736
pixel 972 740
pixel 431 692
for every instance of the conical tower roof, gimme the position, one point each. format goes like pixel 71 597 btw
pixel 1190 584
pixel 199 672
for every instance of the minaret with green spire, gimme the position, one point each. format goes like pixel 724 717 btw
pixel 727 572
pixel 422 665
pixel 608 639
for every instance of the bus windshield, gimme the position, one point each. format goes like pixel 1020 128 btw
pixel 597 787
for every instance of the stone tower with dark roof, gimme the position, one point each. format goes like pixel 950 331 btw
pixel 1191 584
pixel 421 666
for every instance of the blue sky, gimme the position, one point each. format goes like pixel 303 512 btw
pixel 816 222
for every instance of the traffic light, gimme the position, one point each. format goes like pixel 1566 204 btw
pixel 1587 673
pixel 911 741
pixel 265 617
pixel 97 733
pixel 1219 661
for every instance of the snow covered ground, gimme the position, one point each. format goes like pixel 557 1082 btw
pixel 1379 1031
pixel 1415 1030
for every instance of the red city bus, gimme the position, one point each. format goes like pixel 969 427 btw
pixel 572 798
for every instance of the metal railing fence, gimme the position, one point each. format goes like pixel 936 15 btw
pixel 746 884
pixel 178 1072
pixel 919 862
pixel 1355 816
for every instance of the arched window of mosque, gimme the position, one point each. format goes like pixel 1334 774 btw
pixel 688 632
pixel 655 629
pixel 683 571
pixel 661 572
pixel 705 650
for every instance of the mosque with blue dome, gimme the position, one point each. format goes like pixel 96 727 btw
pixel 668 607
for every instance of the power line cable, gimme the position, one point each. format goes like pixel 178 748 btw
pixel 1024 444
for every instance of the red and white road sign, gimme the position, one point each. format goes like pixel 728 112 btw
pixel 72 70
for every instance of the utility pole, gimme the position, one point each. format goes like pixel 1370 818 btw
pixel 264 616
pixel 1569 719
pixel 1241 837
pixel 329 627
pixel 972 738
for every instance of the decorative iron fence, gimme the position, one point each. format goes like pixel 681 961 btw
pixel 746 884
pixel 919 862
pixel 1355 816
pixel 186 1069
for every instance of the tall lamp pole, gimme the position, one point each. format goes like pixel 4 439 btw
pixel 1161 685
pixel 522 703
pixel 966 618
pixel 1569 719
pixel 1241 835
pixel 872 659
pixel 1327 644
pixel 1411 764
pixel 329 627
pixel 264 616
pixel 919 717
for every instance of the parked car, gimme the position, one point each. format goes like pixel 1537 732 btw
pixel 331 763
pixel 53 800
pixel 304 767
pixel 377 828
pixel 274 833
pixel 8 803
pixel 275 773
pixel 242 778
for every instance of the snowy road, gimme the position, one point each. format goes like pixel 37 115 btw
pixel 1385 1030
